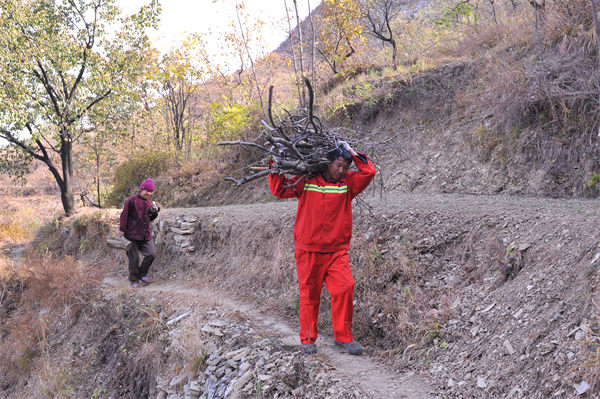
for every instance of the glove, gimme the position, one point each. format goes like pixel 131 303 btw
pixel 345 146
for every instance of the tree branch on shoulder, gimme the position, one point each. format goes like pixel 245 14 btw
pixel 298 145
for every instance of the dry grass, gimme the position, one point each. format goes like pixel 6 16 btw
pixel 59 284
pixel 20 217
pixel 191 347
pixel 41 297
pixel 25 207
pixel 54 314
pixel 394 325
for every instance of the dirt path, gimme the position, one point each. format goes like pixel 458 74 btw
pixel 370 376
pixel 14 251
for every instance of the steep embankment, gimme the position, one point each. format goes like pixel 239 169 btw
pixel 485 296
pixel 435 131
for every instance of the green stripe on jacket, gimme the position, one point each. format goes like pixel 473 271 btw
pixel 326 189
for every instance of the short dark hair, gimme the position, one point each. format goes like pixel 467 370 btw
pixel 339 152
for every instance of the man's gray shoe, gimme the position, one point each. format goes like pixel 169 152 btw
pixel 352 348
pixel 308 349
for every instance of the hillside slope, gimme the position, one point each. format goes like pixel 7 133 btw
pixel 427 132
pixel 485 296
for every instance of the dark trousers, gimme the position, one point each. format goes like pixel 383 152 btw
pixel 146 248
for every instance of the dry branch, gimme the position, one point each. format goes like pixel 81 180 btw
pixel 298 145
pixel 119 243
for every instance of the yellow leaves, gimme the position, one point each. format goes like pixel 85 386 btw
pixel 341 27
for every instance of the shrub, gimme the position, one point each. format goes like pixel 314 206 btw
pixel 18 224
pixel 131 173
pixel 41 296
pixel 229 121
pixel 61 337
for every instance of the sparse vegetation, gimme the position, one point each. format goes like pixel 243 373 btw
pixel 130 173
pixel 51 305
pixel 481 97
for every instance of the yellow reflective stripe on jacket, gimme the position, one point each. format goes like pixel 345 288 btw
pixel 326 189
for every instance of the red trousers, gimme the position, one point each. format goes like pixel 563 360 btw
pixel 313 269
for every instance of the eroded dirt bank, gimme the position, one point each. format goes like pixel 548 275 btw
pixel 481 296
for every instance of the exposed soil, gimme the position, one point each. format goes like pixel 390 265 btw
pixel 364 373
pixel 457 296
pixel 511 282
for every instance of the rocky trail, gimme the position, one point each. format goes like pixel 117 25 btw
pixel 511 281
pixel 500 293
pixel 363 375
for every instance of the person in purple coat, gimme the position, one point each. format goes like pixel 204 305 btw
pixel 138 211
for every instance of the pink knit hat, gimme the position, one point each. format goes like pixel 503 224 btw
pixel 148 185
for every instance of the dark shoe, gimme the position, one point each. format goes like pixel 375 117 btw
pixel 352 348
pixel 135 285
pixel 144 280
pixel 308 349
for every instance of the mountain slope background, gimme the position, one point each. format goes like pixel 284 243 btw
pixel 474 252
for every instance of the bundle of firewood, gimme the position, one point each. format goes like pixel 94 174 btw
pixel 298 145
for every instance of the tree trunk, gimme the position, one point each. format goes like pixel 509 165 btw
pixel 98 178
pixel 314 40
pixel 294 60
pixel 66 188
pixel 119 243
pixel 596 27
pixel 301 45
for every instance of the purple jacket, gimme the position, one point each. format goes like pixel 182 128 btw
pixel 136 217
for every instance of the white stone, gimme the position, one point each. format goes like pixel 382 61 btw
pixel 177 381
pixel 179 238
pixel 187 225
pixel 509 349
pixel 180 231
pixel 582 387
pixel 481 383
pixel 490 307
pixel 176 319
pixel 212 330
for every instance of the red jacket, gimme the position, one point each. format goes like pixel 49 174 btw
pixel 324 215
pixel 136 217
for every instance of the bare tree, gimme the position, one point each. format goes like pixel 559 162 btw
pixel 596 26
pixel 294 60
pixel 313 44
pixel 514 4
pixel 380 14
pixel 299 61
pixel 493 10
pixel 300 45
pixel 177 97
pixel 245 40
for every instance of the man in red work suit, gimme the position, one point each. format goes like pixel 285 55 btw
pixel 322 234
